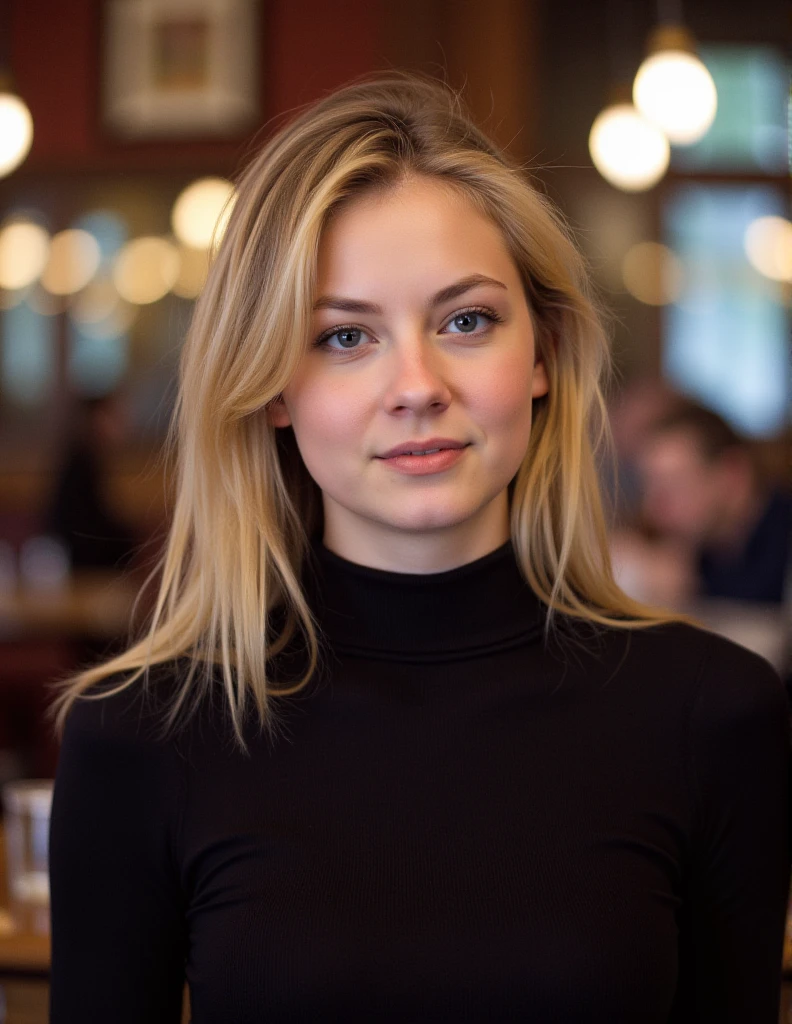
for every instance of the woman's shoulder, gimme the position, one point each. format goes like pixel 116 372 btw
pixel 126 708
pixel 711 652
pixel 677 663
pixel 711 674
pixel 114 760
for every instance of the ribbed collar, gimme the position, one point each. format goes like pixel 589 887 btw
pixel 482 606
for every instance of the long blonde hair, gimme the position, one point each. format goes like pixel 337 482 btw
pixel 245 506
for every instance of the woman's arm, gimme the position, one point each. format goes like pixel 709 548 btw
pixel 732 929
pixel 118 933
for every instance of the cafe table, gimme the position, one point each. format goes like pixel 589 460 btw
pixel 95 603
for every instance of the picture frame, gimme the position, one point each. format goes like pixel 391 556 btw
pixel 180 68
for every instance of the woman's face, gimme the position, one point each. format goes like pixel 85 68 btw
pixel 401 362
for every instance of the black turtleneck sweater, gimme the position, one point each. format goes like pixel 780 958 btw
pixel 458 820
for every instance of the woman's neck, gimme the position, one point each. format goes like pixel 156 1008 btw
pixel 397 548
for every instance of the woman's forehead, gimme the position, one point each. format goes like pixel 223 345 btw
pixel 423 238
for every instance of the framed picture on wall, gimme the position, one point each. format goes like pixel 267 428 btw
pixel 180 68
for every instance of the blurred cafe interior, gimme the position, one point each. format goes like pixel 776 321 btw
pixel 660 129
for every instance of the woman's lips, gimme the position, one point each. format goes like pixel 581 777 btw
pixel 421 465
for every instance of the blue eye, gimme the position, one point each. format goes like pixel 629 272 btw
pixel 349 335
pixel 470 316
pixel 346 335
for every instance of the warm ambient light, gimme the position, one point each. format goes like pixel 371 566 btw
pixel 674 90
pixel 628 151
pixel 24 248
pixel 146 269
pixel 652 273
pixel 74 258
pixel 100 311
pixel 201 212
pixel 768 246
pixel 16 132
pixel 192 272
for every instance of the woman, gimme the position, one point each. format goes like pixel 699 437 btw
pixel 396 747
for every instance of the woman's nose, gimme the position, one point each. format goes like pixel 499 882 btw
pixel 417 378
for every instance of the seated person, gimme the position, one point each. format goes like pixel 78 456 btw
pixel 703 491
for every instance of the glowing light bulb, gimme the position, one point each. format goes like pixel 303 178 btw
pixel 16 132
pixel 201 212
pixel 675 91
pixel 628 151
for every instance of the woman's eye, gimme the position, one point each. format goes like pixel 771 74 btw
pixel 468 320
pixel 348 338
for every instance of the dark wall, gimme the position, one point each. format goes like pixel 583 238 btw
pixel 307 47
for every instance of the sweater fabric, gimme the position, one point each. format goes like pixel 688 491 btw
pixel 458 819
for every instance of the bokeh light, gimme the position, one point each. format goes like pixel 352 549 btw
pixel 192 272
pixel 201 212
pixel 24 248
pixel 146 269
pixel 768 246
pixel 653 273
pixel 628 151
pixel 73 260
pixel 16 132
pixel 675 91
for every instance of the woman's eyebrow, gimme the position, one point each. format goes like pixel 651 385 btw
pixel 451 291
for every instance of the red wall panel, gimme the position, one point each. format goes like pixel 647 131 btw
pixel 307 48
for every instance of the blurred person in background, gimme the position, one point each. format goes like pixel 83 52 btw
pixel 631 413
pixel 714 533
pixel 80 513
pixel 703 491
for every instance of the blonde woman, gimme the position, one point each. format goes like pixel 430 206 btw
pixel 395 746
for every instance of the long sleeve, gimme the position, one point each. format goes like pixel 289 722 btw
pixel 118 934
pixel 457 820
pixel 732 938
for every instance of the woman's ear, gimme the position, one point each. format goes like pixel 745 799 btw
pixel 277 413
pixel 540 382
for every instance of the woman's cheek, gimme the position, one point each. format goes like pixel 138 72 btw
pixel 505 395
pixel 325 414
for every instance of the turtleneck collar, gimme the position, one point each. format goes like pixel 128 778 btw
pixel 482 606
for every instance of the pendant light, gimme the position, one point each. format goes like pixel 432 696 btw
pixel 629 151
pixel 16 123
pixel 16 127
pixel 673 89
